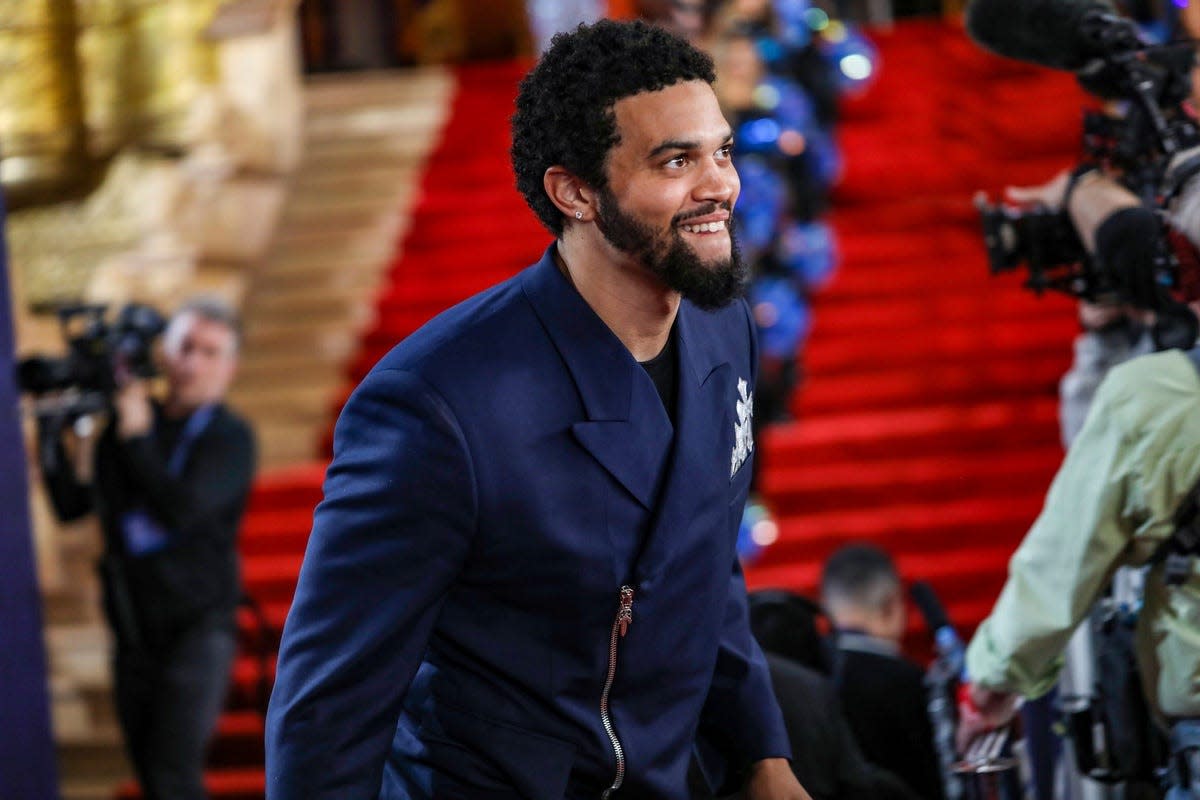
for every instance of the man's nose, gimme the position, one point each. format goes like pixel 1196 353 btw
pixel 718 182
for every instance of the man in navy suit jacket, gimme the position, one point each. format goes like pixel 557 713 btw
pixel 522 580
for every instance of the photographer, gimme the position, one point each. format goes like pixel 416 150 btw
pixel 1112 504
pixel 1113 332
pixel 170 485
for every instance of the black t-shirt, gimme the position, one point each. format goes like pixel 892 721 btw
pixel 663 372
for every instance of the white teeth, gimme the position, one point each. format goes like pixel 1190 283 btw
pixel 705 227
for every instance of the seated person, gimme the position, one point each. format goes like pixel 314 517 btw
pixel 883 694
pixel 826 758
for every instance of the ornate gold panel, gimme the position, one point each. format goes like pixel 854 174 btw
pixel 41 114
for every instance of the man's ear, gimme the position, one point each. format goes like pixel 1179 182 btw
pixel 574 198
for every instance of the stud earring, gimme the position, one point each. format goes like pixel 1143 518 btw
pixel 578 215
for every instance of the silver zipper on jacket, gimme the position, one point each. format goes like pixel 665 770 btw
pixel 620 626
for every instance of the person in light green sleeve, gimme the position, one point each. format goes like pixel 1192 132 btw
pixel 1111 505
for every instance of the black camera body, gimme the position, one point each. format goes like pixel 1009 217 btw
pixel 1045 241
pixel 1136 149
pixel 101 356
pixel 1154 83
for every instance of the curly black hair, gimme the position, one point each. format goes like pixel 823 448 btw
pixel 564 110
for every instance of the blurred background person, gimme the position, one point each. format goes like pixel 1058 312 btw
pixel 883 693
pixel 170 482
pixel 686 18
pixel 548 17
pixel 826 757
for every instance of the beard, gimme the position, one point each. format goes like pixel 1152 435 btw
pixel 708 285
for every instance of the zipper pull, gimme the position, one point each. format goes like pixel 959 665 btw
pixel 625 614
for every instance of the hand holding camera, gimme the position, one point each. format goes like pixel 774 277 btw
pixel 135 415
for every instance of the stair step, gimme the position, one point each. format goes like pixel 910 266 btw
pixel 869 434
pixel 264 532
pixel 272 578
pixel 99 756
pixel 319 304
pixel 993 379
pixel 904 527
pixel 295 485
pixel 826 486
pixel 282 443
pixel 298 398
pixel 238 741
pixel 953 306
pixel 83 788
pixel 327 337
pixel 242 783
pixel 978 343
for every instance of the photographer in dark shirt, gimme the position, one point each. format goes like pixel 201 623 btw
pixel 170 485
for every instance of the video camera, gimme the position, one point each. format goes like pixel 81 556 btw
pixel 101 356
pixel 1135 147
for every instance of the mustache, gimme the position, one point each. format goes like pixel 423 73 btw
pixel 703 211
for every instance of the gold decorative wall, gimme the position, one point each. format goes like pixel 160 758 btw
pixel 112 74
pixel 142 65
pixel 41 109
pixel 79 79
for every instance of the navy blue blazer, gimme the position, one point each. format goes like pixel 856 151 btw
pixel 497 479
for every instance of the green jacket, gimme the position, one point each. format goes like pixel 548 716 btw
pixel 1110 505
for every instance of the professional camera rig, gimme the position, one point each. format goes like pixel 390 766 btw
pixel 1149 85
pixel 101 356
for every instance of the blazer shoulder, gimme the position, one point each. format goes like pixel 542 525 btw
pixel 458 331
pixel 472 346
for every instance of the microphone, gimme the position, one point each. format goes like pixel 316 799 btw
pixel 949 646
pixel 1060 34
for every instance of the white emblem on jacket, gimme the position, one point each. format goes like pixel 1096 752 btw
pixel 743 437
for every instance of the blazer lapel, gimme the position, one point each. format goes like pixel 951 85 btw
pixel 626 430
pixel 698 475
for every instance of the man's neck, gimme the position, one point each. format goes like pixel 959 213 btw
pixel 174 408
pixel 632 302
pixel 863 622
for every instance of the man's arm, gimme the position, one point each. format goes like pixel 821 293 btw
pixel 773 779
pixel 387 541
pixel 1064 561
pixel 741 719
pixel 1112 224
pixel 70 497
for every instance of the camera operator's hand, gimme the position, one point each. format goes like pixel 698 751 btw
pixel 773 779
pixel 981 710
pixel 135 416
pixel 1049 194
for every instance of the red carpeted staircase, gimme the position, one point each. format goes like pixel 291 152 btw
pixel 928 419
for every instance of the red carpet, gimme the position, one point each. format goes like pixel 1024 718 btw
pixel 928 423
pixel 928 420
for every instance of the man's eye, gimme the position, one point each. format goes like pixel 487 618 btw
pixel 725 152
pixel 677 161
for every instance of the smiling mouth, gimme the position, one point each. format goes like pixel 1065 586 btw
pixel 705 227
